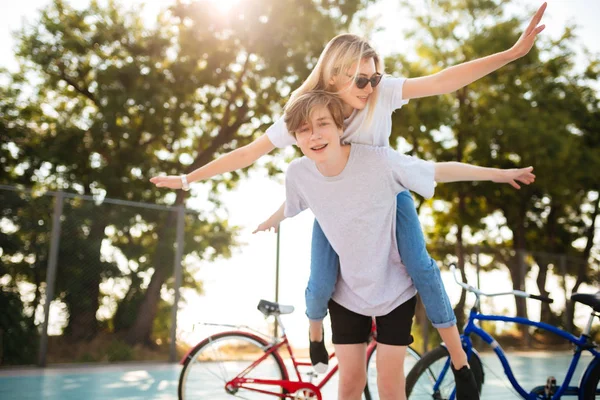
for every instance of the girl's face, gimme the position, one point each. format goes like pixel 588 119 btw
pixel 351 95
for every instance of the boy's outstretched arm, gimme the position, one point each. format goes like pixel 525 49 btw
pixel 458 76
pixel 234 160
pixel 456 172
pixel 273 221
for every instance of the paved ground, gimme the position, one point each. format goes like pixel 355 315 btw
pixel 159 381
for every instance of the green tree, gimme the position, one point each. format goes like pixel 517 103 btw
pixel 115 102
pixel 530 112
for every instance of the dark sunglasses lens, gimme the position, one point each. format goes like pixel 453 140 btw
pixel 375 80
pixel 361 82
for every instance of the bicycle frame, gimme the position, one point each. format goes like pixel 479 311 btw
pixel 581 343
pixel 289 386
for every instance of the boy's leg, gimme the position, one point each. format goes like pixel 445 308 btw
pixel 393 336
pixel 426 276
pixel 352 359
pixel 390 372
pixel 350 335
pixel 324 266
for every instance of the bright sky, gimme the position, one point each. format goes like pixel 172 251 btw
pixel 233 287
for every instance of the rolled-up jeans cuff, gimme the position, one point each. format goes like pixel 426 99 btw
pixel 444 324
pixel 318 317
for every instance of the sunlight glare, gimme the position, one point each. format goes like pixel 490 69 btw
pixel 224 5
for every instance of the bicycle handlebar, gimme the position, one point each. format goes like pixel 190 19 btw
pixel 478 292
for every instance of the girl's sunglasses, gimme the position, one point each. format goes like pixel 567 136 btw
pixel 361 81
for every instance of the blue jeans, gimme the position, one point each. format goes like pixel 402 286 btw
pixel 421 267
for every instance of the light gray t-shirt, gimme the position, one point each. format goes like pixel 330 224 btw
pixel 357 212
pixel 375 131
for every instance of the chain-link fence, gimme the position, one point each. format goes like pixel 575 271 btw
pixel 85 280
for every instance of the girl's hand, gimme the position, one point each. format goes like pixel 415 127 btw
pixel 170 181
pixel 267 226
pixel 511 176
pixel 525 42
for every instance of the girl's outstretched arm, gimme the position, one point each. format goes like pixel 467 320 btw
pixel 458 76
pixel 456 172
pixel 236 159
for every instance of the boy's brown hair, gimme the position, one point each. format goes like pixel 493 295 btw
pixel 298 112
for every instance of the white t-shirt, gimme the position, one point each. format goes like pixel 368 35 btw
pixel 376 132
pixel 357 212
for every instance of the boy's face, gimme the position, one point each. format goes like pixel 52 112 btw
pixel 319 137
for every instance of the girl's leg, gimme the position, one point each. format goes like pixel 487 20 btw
pixel 324 266
pixel 390 372
pixel 352 359
pixel 426 276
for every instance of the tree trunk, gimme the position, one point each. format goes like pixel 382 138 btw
pixel 545 312
pixel 517 275
pixel 459 309
pixel 83 299
pixel 141 330
pixel 583 266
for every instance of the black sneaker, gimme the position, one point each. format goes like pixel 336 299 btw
pixel 319 356
pixel 466 386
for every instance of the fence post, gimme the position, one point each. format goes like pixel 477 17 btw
pixel 275 329
pixel 177 268
pixel 478 266
pixel 567 320
pixel 51 274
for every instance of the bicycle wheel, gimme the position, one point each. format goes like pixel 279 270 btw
pixel 434 366
pixel 590 390
pixel 221 357
pixel 371 393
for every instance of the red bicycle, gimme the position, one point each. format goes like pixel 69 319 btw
pixel 247 364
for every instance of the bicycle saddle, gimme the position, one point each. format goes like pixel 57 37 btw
pixel 272 308
pixel 592 300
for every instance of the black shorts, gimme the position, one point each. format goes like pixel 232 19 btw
pixel 394 328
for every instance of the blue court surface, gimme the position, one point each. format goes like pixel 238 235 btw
pixel 159 381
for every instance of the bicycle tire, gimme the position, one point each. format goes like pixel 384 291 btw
pixel 589 388
pixel 231 349
pixel 371 393
pixel 420 387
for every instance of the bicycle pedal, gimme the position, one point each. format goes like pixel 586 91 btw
pixel 550 387
pixel 305 394
pixel 311 375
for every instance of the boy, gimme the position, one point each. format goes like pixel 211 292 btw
pixel 351 190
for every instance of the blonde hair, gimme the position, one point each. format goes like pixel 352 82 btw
pixel 300 111
pixel 339 54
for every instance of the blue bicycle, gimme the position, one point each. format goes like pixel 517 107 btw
pixel 431 377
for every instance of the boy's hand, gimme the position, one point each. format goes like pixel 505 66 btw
pixel 170 181
pixel 525 42
pixel 511 176
pixel 267 226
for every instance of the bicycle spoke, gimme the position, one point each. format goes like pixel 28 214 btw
pixel 502 379
pixel 219 361
pixel 223 357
